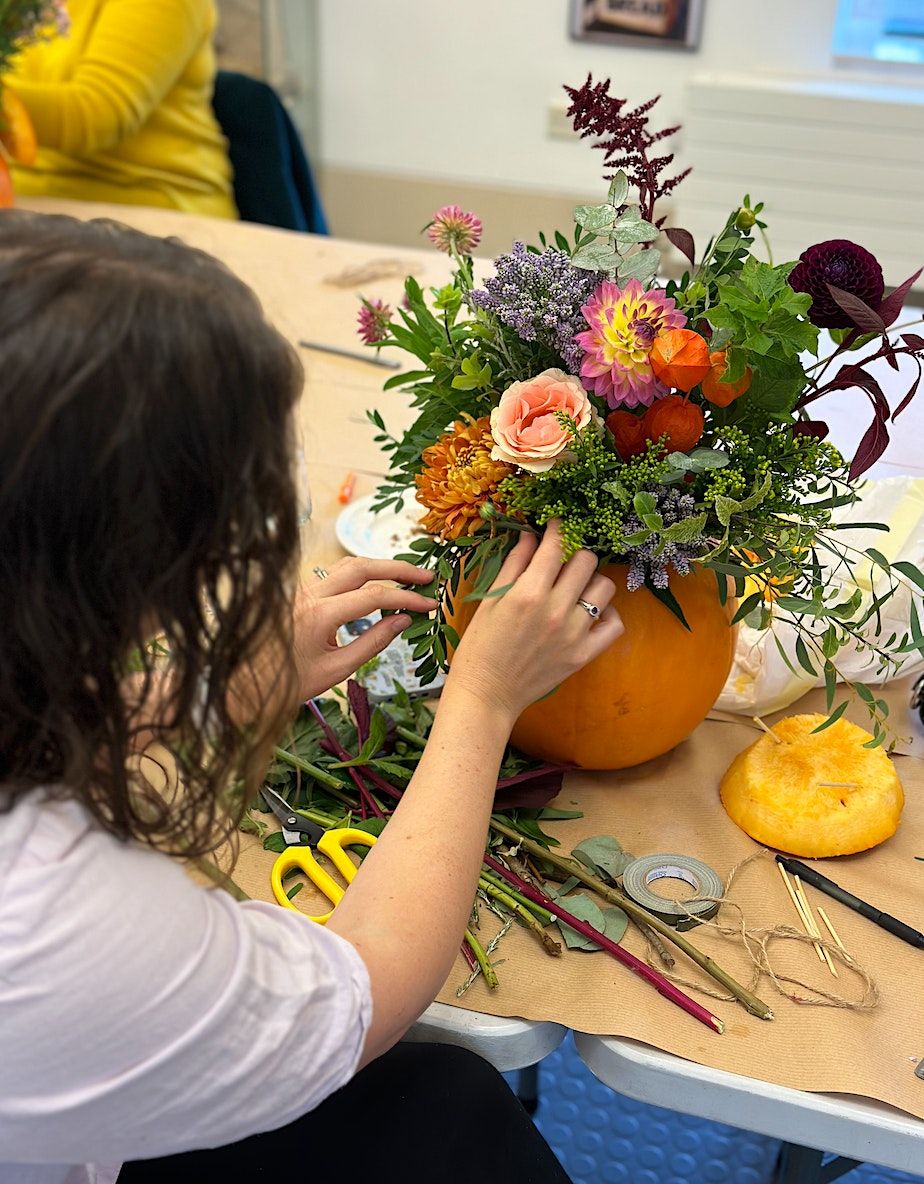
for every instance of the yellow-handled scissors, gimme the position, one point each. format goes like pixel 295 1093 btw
pixel 300 836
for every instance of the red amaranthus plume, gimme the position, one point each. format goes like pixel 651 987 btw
pixel 626 140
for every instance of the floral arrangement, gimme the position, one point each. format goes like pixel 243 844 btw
pixel 666 424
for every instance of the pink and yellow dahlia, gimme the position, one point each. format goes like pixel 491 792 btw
pixel 623 325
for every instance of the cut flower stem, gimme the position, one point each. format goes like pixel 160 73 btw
pixel 636 965
pixel 750 1001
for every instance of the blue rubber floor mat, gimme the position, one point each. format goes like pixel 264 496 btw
pixel 602 1137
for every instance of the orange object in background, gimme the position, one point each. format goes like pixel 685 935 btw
pixel 6 186
pixel 346 489
pixel 722 393
pixel 678 419
pixel 17 135
pixel 679 358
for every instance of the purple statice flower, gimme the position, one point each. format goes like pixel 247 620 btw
pixel 540 298
pixel 654 557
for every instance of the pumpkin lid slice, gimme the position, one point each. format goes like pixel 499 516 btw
pixel 814 794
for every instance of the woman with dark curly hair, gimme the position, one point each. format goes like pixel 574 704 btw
pixel 146 490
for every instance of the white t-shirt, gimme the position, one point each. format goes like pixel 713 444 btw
pixel 142 1015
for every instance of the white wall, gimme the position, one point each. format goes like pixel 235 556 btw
pixel 448 89
pixel 433 91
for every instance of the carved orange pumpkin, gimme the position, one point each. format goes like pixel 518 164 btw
pixel 647 692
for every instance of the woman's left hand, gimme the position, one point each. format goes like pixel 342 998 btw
pixel 352 589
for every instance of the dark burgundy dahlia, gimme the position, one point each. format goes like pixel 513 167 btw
pixel 844 264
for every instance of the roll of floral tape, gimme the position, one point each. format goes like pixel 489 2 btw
pixel 700 876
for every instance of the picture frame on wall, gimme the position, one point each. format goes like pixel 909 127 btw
pixel 659 24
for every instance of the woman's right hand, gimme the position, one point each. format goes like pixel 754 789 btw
pixel 522 644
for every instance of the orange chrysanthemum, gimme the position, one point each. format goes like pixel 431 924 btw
pixel 459 478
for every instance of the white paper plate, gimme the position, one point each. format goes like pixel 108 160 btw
pixel 378 536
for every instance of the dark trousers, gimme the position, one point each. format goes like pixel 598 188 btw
pixel 421 1113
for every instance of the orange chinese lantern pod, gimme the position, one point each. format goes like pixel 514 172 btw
pixel 722 393
pixel 6 186
pixel 679 358
pixel 16 131
pixel 676 418
pixel 628 433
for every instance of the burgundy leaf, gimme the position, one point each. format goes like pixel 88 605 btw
pixel 811 427
pixel 891 358
pixel 912 391
pixel 532 774
pixel 533 794
pixel 891 306
pixel 852 375
pixel 359 707
pixel 913 340
pixel 683 241
pixel 872 446
pixel 858 310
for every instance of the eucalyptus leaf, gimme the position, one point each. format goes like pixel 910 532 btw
pixel 611 922
pixel 595 218
pixel 604 855
pixel 595 257
pixel 619 189
pixel 642 267
pixel 632 228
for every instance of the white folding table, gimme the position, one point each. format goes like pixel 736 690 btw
pixel 857 1130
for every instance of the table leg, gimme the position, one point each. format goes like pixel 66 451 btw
pixel 803 1165
pixel 528 1088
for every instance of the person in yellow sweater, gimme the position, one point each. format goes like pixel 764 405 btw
pixel 122 108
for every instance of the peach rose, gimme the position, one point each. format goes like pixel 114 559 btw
pixel 525 427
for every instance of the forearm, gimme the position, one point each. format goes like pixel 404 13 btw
pixel 406 911
pixel 137 51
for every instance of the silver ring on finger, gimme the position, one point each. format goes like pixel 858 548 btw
pixel 321 572
pixel 590 609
